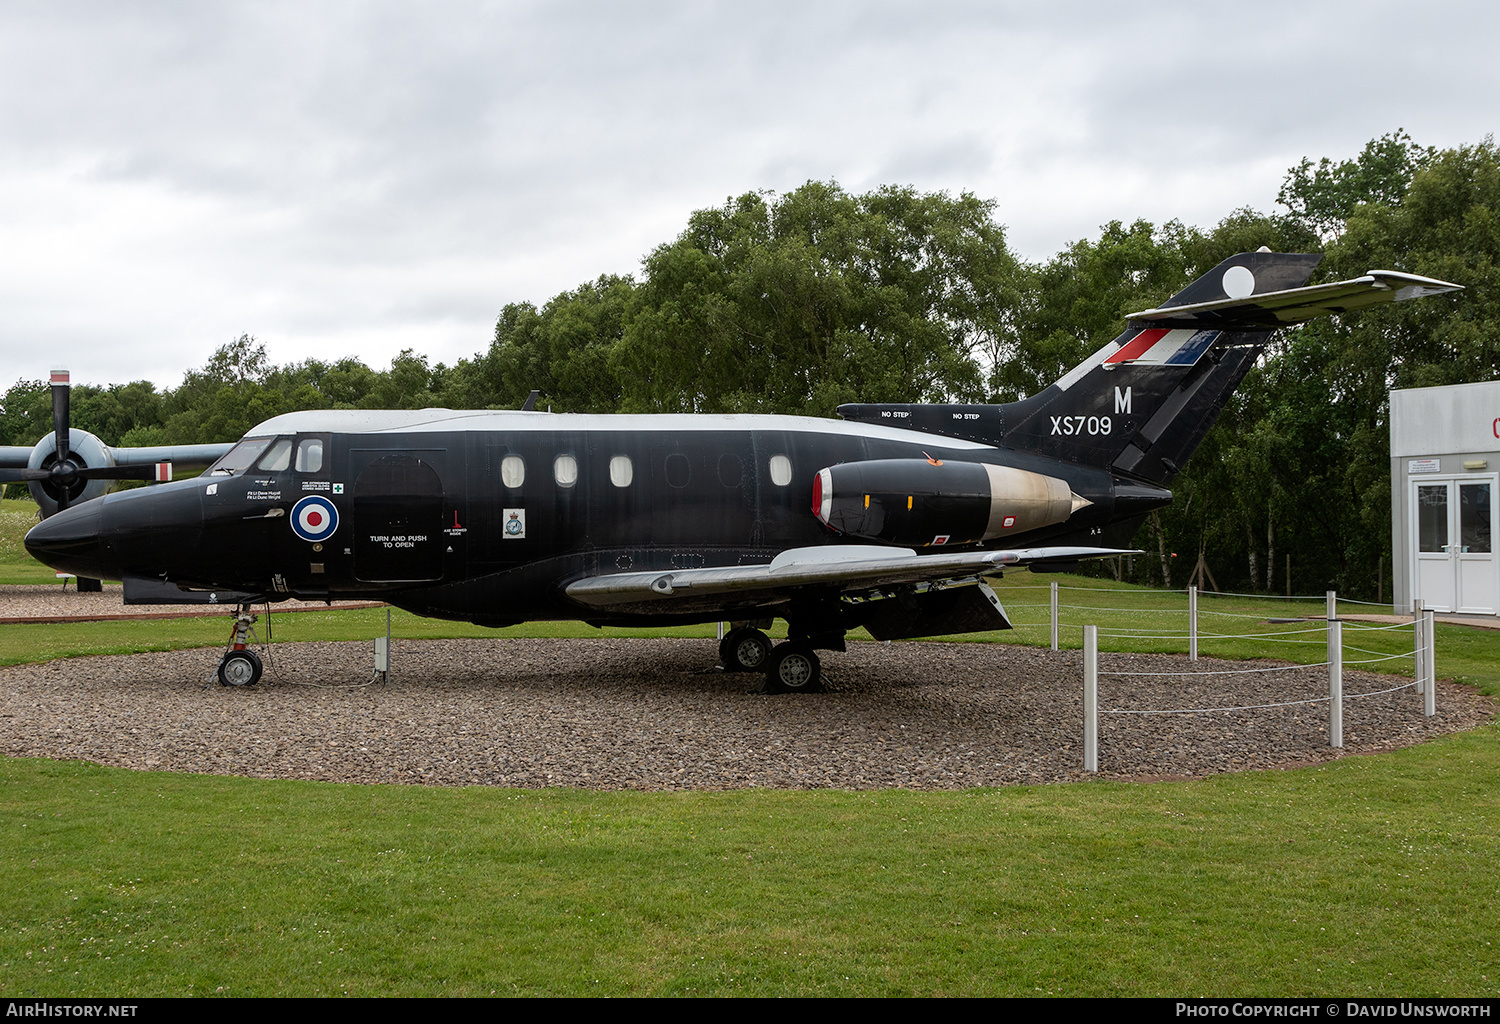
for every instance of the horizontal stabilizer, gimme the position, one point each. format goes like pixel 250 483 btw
pixel 1294 305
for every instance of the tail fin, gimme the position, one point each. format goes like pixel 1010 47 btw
pixel 1141 404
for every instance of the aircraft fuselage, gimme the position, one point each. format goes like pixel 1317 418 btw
pixel 488 516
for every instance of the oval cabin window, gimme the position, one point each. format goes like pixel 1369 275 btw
pixel 781 470
pixel 678 470
pixel 565 470
pixel 621 472
pixel 513 471
pixel 729 470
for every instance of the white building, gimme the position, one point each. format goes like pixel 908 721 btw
pixel 1445 450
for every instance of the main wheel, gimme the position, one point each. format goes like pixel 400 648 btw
pixel 744 650
pixel 793 668
pixel 240 668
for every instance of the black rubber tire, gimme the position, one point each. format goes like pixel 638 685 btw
pixel 240 668
pixel 745 649
pixel 794 668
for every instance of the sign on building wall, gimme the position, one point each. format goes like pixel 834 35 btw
pixel 1445 421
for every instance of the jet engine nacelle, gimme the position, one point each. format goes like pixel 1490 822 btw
pixel 925 502
pixel 87 452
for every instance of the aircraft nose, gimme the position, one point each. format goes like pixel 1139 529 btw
pixel 69 541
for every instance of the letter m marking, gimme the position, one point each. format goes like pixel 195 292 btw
pixel 1122 400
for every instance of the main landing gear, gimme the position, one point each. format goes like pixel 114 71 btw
pixel 789 667
pixel 745 649
pixel 794 668
pixel 240 666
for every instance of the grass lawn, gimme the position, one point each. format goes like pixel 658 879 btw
pixel 1367 876
pixel 17 568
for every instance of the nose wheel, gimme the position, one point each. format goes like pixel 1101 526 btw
pixel 240 668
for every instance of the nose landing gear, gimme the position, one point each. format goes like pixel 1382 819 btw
pixel 240 666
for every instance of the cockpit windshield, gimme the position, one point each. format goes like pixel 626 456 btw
pixel 240 457
pixel 277 457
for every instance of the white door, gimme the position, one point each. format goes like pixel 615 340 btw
pixel 1454 525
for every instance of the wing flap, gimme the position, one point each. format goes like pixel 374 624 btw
pixel 850 569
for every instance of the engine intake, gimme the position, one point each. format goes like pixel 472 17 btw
pixel 928 503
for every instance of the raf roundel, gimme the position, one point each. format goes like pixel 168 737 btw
pixel 314 518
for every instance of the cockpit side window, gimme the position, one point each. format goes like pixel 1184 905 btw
pixel 310 455
pixel 277 457
pixel 240 457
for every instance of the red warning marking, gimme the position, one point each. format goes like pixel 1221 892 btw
pixel 1139 345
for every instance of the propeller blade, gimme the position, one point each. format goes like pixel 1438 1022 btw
pixel 60 392
pixel 14 476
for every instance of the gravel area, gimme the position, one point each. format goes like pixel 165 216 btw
pixel 651 715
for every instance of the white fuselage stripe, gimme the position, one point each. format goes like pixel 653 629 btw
pixel 355 421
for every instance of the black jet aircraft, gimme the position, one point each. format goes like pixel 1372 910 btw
pixel 891 519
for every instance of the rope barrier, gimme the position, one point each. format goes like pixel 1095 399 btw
pixel 1126 631
pixel 1317 599
pixel 1206 711
pixel 1388 657
pixel 1249 707
pixel 1227 672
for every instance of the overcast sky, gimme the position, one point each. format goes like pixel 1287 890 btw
pixel 355 178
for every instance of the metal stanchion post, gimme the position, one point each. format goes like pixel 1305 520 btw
pixel 1091 698
pixel 1429 662
pixel 1054 615
pixel 1335 683
pixel 1193 623
pixel 1419 645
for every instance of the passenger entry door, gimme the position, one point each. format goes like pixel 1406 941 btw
pixel 401 516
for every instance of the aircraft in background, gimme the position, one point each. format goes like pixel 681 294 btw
pixel 891 519
pixel 87 467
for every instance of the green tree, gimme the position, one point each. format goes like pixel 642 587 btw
pixel 800 302
pixel 1324 196
pixel 565 350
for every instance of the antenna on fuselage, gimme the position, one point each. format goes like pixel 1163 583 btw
pixel 530 404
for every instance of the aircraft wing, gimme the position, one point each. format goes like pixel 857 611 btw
pixel 852 570
pixel 184 455
pixel 14 456
pixel 1294 305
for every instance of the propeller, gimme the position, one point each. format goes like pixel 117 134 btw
pixel 64 473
